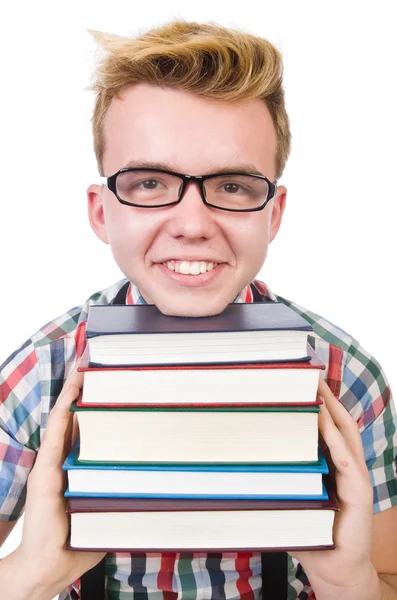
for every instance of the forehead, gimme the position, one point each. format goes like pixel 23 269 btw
pixel 190 133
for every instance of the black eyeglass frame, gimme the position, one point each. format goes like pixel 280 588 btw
pixel 111 183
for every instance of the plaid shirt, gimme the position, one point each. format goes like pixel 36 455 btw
pixel 32 378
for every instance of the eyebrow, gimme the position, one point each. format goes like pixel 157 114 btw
pixel 235 168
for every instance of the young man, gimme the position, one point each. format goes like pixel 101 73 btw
pixel 191 135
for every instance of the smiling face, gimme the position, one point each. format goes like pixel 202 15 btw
pixel 188 259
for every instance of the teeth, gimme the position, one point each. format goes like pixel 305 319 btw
pixel 187 267
pixel 195 268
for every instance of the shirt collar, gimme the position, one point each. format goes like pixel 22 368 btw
pixel 245 296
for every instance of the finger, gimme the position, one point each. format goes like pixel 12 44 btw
pixel 76 380
pixel 343 420
pixel 352 479
pixel 341 454
pixel 58 435
pixel 327 455
pixel 75 429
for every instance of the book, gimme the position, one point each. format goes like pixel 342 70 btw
pixel 151 525
pixel 142 335
pixel 259 434
pixel 241 384
pixel 302 481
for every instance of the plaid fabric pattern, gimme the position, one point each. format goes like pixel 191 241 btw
pixel 31 380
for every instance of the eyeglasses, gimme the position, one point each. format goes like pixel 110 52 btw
pixel 154 188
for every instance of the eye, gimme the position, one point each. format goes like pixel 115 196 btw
pixel 148 184
pixel 232 188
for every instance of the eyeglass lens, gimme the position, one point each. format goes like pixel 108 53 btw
pixel 148 188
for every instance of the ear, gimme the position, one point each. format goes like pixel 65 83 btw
pixel 96 213
pixel 279 203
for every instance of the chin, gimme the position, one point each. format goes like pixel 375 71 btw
pixel 191 307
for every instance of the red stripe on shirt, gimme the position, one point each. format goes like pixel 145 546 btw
pixel 165 576
pixel 17 375
pixel 334 378
pixel 129 300
pixel 372 412
pixel 244 573
pixel 80 340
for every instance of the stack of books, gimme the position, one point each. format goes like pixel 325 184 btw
pixel 198 434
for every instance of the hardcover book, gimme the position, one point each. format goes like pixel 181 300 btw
pixel 293 481
pixel 151 525
pixel 245 384
pixel 142 335
pixel 258 434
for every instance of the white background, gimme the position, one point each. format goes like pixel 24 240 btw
pixel 336 250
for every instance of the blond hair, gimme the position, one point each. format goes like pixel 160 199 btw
pixel 205 59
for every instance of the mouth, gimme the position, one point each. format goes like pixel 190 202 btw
pixel 190 267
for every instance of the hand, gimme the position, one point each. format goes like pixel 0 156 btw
pixel 46 525
pixel 346 571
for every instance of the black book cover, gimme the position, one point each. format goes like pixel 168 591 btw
pixel 147 319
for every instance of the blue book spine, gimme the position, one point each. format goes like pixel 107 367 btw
pixel 71 463
pixel 323 496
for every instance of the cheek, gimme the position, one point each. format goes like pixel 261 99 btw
pixel 130 232
pixel 122 231
pixel 250 237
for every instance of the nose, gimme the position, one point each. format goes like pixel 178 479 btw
pixel 191 218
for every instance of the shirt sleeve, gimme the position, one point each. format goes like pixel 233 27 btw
pixel 20 418
pixel 366 393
